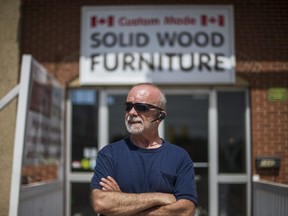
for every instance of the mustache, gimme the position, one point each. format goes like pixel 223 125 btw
pixel 133 118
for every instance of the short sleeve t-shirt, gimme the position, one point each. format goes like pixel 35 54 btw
pixel 167 169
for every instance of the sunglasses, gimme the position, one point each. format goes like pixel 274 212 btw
pixel 140 107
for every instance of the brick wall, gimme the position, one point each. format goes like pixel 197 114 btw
pixel 51 33
pixel 261 48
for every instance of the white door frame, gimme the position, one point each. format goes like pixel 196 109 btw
pixel 215 178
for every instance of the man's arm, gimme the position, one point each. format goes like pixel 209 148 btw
pixel 181 207
pixel 119 203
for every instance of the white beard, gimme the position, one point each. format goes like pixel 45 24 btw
pixel 134 128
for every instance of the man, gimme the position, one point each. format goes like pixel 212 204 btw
pixel 143 174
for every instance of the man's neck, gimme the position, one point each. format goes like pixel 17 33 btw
pixel 145 142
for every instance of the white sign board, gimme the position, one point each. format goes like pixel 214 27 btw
pixel 160 44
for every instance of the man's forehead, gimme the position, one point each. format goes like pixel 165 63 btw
pixel 141 92
pixel 137 92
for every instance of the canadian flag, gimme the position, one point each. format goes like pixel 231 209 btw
pixel 96 21
pixel 208 20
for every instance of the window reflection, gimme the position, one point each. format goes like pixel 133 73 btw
pixel 187 124
pixel 231 126
pixel 84 130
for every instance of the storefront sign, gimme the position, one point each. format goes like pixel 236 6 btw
pixel 161 44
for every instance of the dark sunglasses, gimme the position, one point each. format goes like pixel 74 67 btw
pixel 140 107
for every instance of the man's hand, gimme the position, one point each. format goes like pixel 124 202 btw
pixel 109 184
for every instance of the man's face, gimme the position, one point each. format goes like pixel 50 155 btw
pixel 138 122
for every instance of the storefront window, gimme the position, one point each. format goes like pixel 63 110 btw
pixel 231 126
pixel 187 124
pixel 84 130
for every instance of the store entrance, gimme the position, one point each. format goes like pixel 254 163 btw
pixel 212 125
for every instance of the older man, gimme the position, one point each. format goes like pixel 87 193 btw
pixel 144 174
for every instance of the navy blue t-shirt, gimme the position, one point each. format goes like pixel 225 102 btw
pixel 166 169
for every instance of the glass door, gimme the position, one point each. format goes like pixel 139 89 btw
pixel 186 125
pixel 233 168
